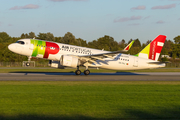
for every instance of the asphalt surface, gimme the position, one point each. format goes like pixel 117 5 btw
pixel 121 76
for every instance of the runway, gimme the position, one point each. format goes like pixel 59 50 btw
pixel 121 76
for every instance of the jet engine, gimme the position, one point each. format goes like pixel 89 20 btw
pixel 55 64
pixel 69 61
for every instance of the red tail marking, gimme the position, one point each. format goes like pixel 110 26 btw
pixel 154 48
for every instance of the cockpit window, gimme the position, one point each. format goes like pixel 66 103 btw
pixel 20 42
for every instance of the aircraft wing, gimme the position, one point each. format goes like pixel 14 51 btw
pixel 104 54
pixel 95 57
pixel 111 55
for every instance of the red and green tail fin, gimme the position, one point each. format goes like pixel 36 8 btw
pixel 153 50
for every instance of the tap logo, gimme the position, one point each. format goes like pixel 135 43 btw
pixel 44 48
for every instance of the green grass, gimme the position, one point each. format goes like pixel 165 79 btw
pixel 15 70
pixel 20 100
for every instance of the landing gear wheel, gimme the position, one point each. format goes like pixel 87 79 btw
pixel 86 72
pixel 78 72
pixel 27 64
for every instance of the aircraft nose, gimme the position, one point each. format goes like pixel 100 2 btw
pixel 11 47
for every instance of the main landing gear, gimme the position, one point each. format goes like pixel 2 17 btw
pixel 86 72
pixel 78 72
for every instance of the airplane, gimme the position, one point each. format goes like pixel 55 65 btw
pixel 64 55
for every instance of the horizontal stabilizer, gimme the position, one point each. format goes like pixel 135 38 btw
pixel 157 63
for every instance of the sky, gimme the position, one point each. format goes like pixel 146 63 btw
pixel 92 19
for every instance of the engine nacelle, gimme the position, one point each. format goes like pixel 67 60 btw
pixel 69 61
pixel 55 64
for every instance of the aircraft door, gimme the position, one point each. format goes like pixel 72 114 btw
pixel 31 46
pixel 135 62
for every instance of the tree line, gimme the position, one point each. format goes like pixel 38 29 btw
pixel 171 48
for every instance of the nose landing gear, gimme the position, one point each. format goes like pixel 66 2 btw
pixel 28 64
pixel 29 60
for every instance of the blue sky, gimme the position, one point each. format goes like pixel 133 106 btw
pixel 92 19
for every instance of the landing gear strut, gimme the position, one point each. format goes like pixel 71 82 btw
pixel 86 72
pixel 78 72
pixel 28 63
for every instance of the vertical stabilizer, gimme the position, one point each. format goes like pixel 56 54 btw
pixel 153 49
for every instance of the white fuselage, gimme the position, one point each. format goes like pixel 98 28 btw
pixel 54 51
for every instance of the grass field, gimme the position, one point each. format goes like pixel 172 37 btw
pixel 22 100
